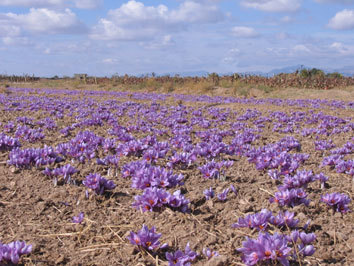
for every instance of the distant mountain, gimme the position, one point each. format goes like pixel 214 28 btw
pixel 287 70
pixel 347 71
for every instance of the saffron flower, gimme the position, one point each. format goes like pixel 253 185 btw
pixel 11 253
pixel 146 238
pixel 209 253
pixel 78 219
pixel 266 248
pixel 181 258
pixel 208 193
pixel 339 201
pixel 223 195
pixel 98 183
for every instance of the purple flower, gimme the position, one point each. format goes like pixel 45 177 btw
pixel 176 259
pixel 284 219
pixel 233 189
pixel 209 253
pixel 98 183
pixel 209 193
pixel 153 199
pixel 11 252
pixel 181 258
pixel 307 238
pixel 178 201
pixel 146 238
pixel 267 248
pixel 258 220
pixel 78 219
pixel 338 201
pixel 322 178
pixel 8 143
pixel 223 195
pixel 292 197
pixel 307 250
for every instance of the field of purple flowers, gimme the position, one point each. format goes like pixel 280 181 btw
pixel 116 178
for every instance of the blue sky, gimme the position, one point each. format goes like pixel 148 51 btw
pixel 105 37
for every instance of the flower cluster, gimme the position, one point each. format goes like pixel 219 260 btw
pixel 82 147
pixel 98 183
pixel 155 176
pixel 181 258
pixel 300 179
pixel 292 197
pixel 322 145
pixel 109 160
pixel 146 238
pixel 11 253
pixel 339 201
pixel 65 171
pixel 183 160
pixel 154 199
pixel 26 158
pixel 8 143
pixel 28 134
pixel 215 169
pixel 266 248
pixel 262 219
pixel 47 123
pixel 337 161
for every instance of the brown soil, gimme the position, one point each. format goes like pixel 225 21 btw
pixel 34 210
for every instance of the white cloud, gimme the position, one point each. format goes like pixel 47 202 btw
pixel 282 36
pixel 301 48
pixel 343 20
pixel 45 21
pixel 164 42
pixel 342 48
pixel 15 28
pixel 135 21
pixel 244 32
pixel 85 4
pixel 110 61
pixel 273 5
pixel 234 51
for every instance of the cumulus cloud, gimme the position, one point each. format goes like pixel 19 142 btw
pixel 273 5
pixel 343 20
pixel 46 21
pixel 244 32
pixel 342 49
pixel 135 21
pixel 16 27
pixel 301 48
pixel 85 4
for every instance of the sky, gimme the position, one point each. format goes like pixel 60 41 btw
pixel 109 37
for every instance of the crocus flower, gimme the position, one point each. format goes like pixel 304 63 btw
pixel 12 252
pixel 267 248
pixel 98 183
pixel 181 258
pixel 209 253
pixel 78 219
pixel 146 238
pixel 209 193
pixel 223 195
pixel 339 201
